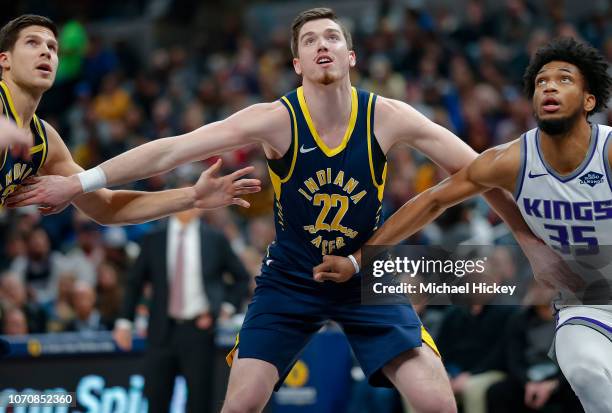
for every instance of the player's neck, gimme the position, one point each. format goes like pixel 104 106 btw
pixel 329 106
pixel 25 101
pixel 566 152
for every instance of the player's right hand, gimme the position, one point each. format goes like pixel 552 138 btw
pixel 18 139
pixel 123 338
pixel 550 269
pixel 334 268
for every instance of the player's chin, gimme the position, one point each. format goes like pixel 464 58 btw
pixel 328 78
pixel 42 83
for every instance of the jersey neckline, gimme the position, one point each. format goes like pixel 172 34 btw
pixel 347 134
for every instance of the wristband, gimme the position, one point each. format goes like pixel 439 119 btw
pixel 92 179
pixel 354 262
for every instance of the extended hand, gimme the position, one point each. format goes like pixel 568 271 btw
pixel 334 268
pixel 214 191
pixel 52 192
pixel 550 269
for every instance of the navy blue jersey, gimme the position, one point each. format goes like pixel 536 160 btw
pixel 13 170
pixel 327 200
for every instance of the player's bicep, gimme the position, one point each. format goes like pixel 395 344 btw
pixel 456 188
pixel 401 123
pixel 59 160
pixel 256 124
pixel 497 167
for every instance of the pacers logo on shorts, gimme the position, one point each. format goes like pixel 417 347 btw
pixel 298 376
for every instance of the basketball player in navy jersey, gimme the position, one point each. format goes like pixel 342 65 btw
pixel 28 60
pixel 560 174
pixel 326 144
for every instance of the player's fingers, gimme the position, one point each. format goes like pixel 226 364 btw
pixel 22 193
pixel 31 180
pixel 248 190
pixel 326 276
pixel 323 267
pixel 215 167
pixel 241 172
pixel 20 198
pixel 24 202
pixel 243 183
pixel 240 202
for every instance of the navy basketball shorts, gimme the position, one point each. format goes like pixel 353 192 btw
pixel 281 320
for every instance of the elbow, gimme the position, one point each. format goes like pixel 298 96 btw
pixel 435 207
pixel 162 157
pixel 103 219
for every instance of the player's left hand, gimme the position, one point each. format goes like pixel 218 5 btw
pixel 334 268
pixel 36 190
pixel 214 191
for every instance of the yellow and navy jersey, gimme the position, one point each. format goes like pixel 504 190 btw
pixel 327 200
pixel 14 170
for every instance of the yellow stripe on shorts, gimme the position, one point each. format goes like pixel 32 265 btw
pixel 427 339
pixel 229 359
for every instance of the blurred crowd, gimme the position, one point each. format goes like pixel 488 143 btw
pixel 463 70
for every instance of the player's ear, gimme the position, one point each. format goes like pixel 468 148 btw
pixel 589 102
pixel 352 58
pixel 296 66
pixel 5 60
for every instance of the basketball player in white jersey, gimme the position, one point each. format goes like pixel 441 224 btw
pixel 561 177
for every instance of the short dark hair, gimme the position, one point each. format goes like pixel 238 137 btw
pixel 10 32
pixel 315 14
pixel 591 63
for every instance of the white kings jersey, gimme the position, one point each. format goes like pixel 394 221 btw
pixel 571 213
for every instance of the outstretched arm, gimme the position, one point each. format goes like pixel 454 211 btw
pixel 397 121
pixel 128 207
pixel 490 169
pixel 498 168
pixel 266 123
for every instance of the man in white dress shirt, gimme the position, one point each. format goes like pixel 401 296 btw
pixel 185 262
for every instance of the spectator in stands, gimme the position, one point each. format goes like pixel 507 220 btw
pixel 87 317
pixel 59 311
pixel 13 294
pixel 14 322
pixel 534 382
pixel 88 252
pixel 469 341
pixel 41 266
pixel 110 292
